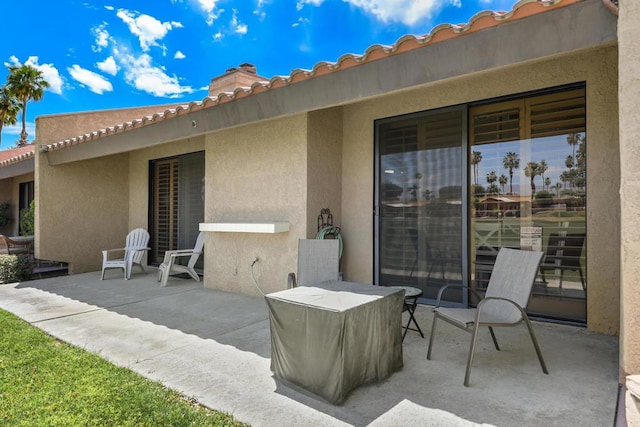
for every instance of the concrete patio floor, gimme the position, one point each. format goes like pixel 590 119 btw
pixel 215 347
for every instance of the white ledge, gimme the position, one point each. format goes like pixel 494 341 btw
pixel 245 227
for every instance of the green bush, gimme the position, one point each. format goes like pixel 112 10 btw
pixel 15 268
pixel 26 220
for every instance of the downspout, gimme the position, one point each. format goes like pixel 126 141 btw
pixel 612 5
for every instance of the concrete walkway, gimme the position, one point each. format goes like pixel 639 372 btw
pixel 215 347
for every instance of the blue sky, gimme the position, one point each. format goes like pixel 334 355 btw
pixel 112 54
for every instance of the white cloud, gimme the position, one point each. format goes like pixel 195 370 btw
pixel 17 128
pixel 238 27
pixel 209 8
pixel 143 75
pixel 49 72
pixel 218 36
pixel 300 3
pixel 408 12
pixel 301 21
pixel 179 55
pixel 108 66
pixel 101 37
pixel 94 81
pixel 259 12
pixel 456 3
pixel 109 7
pixel 147 28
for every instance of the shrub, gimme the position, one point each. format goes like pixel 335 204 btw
pixel 26 220
pixel 15 268
pixel 544 199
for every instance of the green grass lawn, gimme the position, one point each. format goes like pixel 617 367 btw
pixel 46 382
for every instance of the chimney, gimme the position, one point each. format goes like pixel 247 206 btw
pixel 242 76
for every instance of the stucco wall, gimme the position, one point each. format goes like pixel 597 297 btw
pixel 324 166
pixel 596 67
pixel 629 93
pixel 139 175
pixel 59 127
pixel 255 173
pixel 82 208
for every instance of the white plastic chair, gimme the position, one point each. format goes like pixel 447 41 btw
pixel 130 255
pixel 169 265
pixel 504 304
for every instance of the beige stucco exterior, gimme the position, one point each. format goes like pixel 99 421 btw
pixel 629 93
pixel 86 214
pixel 58 127
pixel 281 156
pixel 288 169
pixel 84 207
pixel 287 153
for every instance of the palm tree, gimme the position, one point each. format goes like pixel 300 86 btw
pixel 503 181
pixel 565 177
pixel 532 170
pixel 547 182
pixel 568 162
pixel 476 157
pixel 9 108
pixel 543 166
pixel 25 83
pixel 492 177
pixel 511 161
pixel 574 139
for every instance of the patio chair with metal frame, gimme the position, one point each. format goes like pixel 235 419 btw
pixel 318 261
pixel 504 304
pixel 563 253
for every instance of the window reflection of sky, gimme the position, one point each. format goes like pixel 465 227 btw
pixel 425 172
pixel 554 150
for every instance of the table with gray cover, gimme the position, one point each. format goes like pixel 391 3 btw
pixel 334 336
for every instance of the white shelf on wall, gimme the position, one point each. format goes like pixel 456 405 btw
pixel 246 227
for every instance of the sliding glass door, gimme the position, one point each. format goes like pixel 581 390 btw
pixel 444 206
pixel 177 203
pixel 420 202
pixel 528 191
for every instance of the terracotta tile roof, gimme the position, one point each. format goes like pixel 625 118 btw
pixel 15 155
pixel 480 21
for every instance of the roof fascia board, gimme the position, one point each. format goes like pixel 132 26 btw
pixel 579 26
pixel 17 169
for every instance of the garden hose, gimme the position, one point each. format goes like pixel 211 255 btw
pixel 325 232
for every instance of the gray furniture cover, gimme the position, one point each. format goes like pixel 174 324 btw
pixel 334 336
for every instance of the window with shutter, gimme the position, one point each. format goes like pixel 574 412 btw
pixel 178 203
pixel 528 165
pixel 165 232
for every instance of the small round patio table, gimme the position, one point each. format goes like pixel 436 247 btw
pixel 411 296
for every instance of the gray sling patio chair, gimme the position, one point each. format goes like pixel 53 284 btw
pixel 318 261
pixel 505 302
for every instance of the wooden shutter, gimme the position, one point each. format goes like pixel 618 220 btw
pixel 560 113
pixel 165 207
pixel 497 122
